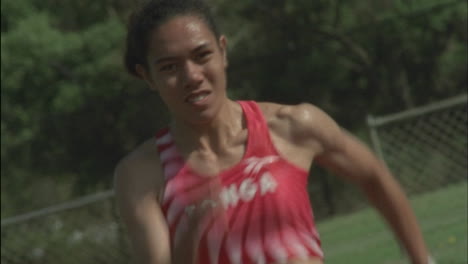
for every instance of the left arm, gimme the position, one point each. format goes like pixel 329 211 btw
pixel 349 158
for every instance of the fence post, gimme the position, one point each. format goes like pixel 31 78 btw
pixel 375 137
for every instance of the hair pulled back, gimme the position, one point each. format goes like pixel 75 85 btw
pixel 151 15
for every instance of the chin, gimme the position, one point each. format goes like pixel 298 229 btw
pixel 201 118
pixel 204 114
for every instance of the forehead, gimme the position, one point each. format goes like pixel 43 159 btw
pixel 179 34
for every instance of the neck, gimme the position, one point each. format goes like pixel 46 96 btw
pixel 214 135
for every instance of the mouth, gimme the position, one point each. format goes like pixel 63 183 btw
pixel 197 97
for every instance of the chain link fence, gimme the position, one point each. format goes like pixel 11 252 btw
pixel 426 148
pixel 86 230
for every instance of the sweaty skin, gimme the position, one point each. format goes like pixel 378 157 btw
pixel 141 211
pixel 301 133
pixel 186 67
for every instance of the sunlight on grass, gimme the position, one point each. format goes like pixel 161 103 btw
pixel 363 237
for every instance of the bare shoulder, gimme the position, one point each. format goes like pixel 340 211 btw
pixel 301 123
pixel 138 184
pixel 139 171
pixel 299 114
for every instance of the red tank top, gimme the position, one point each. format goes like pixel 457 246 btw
pixel 267 213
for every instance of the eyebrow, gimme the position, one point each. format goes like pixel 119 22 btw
pixel 170 58
pixel 200 47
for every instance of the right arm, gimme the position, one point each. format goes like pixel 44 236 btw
pixel 138 184
pixel 137 181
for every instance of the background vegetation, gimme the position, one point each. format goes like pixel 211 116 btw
pixel 69 112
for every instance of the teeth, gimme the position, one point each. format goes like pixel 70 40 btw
pixel 197 98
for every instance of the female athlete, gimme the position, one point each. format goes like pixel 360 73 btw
pixel 225 182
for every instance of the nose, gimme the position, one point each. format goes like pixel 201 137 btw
pixel 193 75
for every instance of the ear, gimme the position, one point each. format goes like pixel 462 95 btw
pixel 223 47
pixel 146 76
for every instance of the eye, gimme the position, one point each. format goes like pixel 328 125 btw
pixel 168 67
pixel 203 56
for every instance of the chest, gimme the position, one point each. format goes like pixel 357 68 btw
pixel 211 163
pixel 253 178
pixel 259 188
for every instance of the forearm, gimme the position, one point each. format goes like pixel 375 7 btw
pixel 390 200
pixel 185 252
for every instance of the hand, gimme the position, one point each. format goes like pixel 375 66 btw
pixel 431 260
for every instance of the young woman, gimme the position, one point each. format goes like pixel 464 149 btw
pixel 225 182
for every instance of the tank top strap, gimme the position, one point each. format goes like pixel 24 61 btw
pixel 259 142
pixel 170 158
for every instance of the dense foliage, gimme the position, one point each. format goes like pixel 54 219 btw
pixel 70 112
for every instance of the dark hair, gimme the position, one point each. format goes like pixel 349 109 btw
pixel 153 14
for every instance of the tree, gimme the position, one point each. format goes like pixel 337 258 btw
pixel 70 112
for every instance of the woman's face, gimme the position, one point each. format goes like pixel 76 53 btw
pixel 187 67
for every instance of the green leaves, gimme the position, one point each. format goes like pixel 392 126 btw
pixel 51 79
pixel 13 12
pixel 69 108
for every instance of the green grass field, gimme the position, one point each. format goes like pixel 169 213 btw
pixel 363 237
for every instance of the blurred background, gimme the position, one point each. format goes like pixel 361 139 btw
pixel 394 73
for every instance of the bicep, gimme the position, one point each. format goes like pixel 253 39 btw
pixel 334 148
pixel 144 220
pixel 350 158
